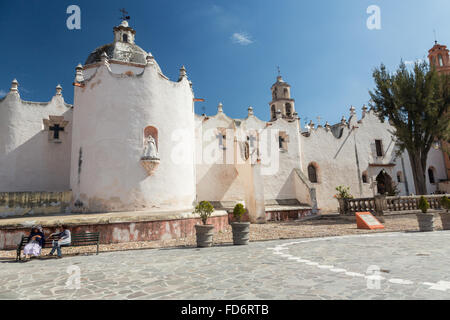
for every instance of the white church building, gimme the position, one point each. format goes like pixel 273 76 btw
pixel 132 142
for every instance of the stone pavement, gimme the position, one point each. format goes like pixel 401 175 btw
pixel 381 266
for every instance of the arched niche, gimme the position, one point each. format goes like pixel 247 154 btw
pixel 150 130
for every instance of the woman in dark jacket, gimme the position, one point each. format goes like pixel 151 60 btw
pixel 35 244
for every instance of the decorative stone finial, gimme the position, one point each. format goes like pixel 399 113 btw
pixel 150 59
pixel 14 86
pixel 311 124
pixel 250 111
pixel 220 108
pixel 58 90
pixel 79 77
pixel 364 110
pixel 343 120
pixel 352 111
pixel 183 73
pixel 124 24
pixel 327 126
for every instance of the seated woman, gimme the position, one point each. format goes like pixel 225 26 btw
pixel 35 244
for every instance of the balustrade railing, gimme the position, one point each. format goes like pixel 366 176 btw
pixel 381 204
pixel 360 205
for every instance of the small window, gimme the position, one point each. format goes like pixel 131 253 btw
pixel 273 112
pixel 286 93
pixel 365 179
pixel 281 142
pixel 288 109
pixel 312 173
pixel 431 175
pixel 125 38
pixel 379 147
pixel 399 177
pixel 222 139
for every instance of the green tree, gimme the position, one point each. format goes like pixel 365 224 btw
pixel 416 104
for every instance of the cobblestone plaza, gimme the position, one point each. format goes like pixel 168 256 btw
pixel 383 266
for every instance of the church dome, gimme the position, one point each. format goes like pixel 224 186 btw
pixel 122 49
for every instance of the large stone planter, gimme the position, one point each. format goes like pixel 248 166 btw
pixel 426 221
pixel 342 206
pixel 204 235
pixel 445 218
pixel 241 233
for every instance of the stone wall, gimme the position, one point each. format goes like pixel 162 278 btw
pixel 17 204
pixel 114 227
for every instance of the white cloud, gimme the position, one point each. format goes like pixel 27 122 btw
pixel 241 38
pixel 412 62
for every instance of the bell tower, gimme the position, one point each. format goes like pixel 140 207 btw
pixel 439 57
pixel 124 33
pixel 281 100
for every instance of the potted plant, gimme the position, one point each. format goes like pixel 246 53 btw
pixel 445 215
pixel 341 196
pixel 241 230
pixel 204 232
pixel 425 219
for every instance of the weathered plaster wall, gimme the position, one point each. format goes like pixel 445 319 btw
pixel 28 160
pixel 115 68
pixel 279 183
pixel 111 114
pixel 216 175
pixel 17 204
pixel 219 181
pixel 342 161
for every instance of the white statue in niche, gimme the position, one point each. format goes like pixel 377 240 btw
pixel 150 150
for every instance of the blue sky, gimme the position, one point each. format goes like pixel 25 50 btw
pixel 231 49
